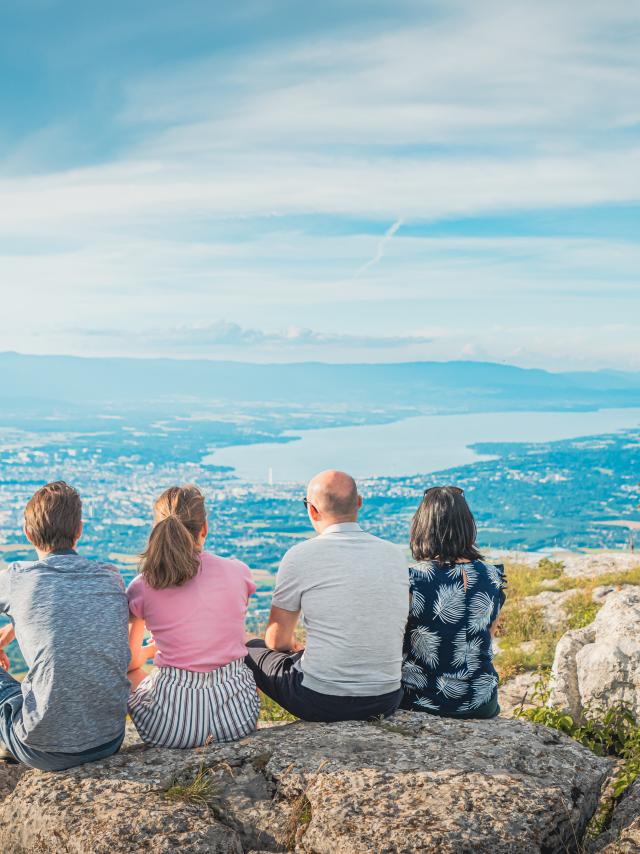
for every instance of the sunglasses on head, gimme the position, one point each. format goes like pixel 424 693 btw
pixel 455 489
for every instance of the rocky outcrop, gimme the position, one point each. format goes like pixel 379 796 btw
pixel 623 836
pixel 599 666
pixel 412 783
pixel 9 776
pixel 552 605
pixel 517 693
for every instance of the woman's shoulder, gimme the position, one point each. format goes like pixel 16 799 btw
pixel 494 572
pixel 424 568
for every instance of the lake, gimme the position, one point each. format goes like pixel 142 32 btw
pixel 420 445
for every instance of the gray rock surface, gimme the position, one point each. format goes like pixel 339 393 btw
pixel 623 837
pixel 414 783
pixel 599 666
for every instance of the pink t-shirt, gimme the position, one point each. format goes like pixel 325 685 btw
pixel 199 625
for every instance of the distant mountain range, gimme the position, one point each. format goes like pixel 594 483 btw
pixel 36 382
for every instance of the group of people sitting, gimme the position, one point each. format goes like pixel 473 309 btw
pixel 376 635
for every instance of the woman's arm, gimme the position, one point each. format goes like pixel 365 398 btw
pixel 139 653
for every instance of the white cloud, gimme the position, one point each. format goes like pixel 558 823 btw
pixel 472 109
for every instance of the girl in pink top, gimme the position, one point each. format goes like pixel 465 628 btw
pixel 194 604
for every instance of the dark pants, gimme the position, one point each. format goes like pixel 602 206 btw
pixel 11 705
pixel 276 677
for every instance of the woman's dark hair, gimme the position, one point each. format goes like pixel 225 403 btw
pixel 443 527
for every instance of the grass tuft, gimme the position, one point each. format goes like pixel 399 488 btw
pixel 299 817
pixel 199 789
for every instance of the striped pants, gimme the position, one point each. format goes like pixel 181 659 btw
pixel 183 708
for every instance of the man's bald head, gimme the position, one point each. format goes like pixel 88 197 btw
pixel 334 494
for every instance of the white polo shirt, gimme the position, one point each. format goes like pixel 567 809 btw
pixel 353 590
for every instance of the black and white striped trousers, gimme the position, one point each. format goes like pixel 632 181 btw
pixel 183 708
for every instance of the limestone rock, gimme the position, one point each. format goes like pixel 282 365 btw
pixel 623 837
pixel 599 665
pixel 9 776
pixel 517 692
pixel 412 783
pixel 552 605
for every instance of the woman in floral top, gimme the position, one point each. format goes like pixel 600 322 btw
pixel 455 601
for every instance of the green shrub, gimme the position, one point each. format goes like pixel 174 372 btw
pixel 581 609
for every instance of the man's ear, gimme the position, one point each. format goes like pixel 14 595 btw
pixel 359 501
pixel 313 512
pixel 79 534
pixel 204 531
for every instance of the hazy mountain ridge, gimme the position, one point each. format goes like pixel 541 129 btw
pixel 425 386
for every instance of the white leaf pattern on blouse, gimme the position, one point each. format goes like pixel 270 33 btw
pixel 466 653
pixel 453 685
pixel 425 703
pixel 480 611
pixel 413 675
pixel 482 690
pixel 425 644
pixel 456 572
pixel 495 576
pixel 426 570
pixel 417 604
pixel 450 603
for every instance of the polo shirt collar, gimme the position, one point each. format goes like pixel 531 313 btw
pixel 342 528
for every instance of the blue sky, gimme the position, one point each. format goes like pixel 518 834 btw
pixel 359 181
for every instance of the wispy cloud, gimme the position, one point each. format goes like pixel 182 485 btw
pixel 212 337
pixel 388 235
pixel 249 178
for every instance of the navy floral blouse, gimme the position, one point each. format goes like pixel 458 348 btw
pixel 448 657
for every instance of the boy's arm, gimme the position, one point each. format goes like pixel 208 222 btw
pixel 7 634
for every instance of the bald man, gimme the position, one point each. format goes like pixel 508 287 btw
pixel 353 591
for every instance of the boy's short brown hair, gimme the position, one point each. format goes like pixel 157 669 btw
pixel 53 516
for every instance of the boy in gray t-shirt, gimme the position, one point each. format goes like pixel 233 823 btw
pixel 70 617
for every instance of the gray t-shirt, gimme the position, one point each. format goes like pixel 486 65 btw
pixel 353 590
pixel 71 620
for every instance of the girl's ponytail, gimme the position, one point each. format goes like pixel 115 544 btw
pixel 172 556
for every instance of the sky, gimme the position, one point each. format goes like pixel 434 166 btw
pixel 268 180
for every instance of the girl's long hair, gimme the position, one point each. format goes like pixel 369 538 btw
pixel 172 556
pixel 443 527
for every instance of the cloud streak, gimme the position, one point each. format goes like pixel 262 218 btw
pixel 388 235
pixel 250 179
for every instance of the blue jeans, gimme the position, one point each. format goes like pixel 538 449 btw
pixel 11 705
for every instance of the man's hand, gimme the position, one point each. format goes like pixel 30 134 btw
pixel 4 660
